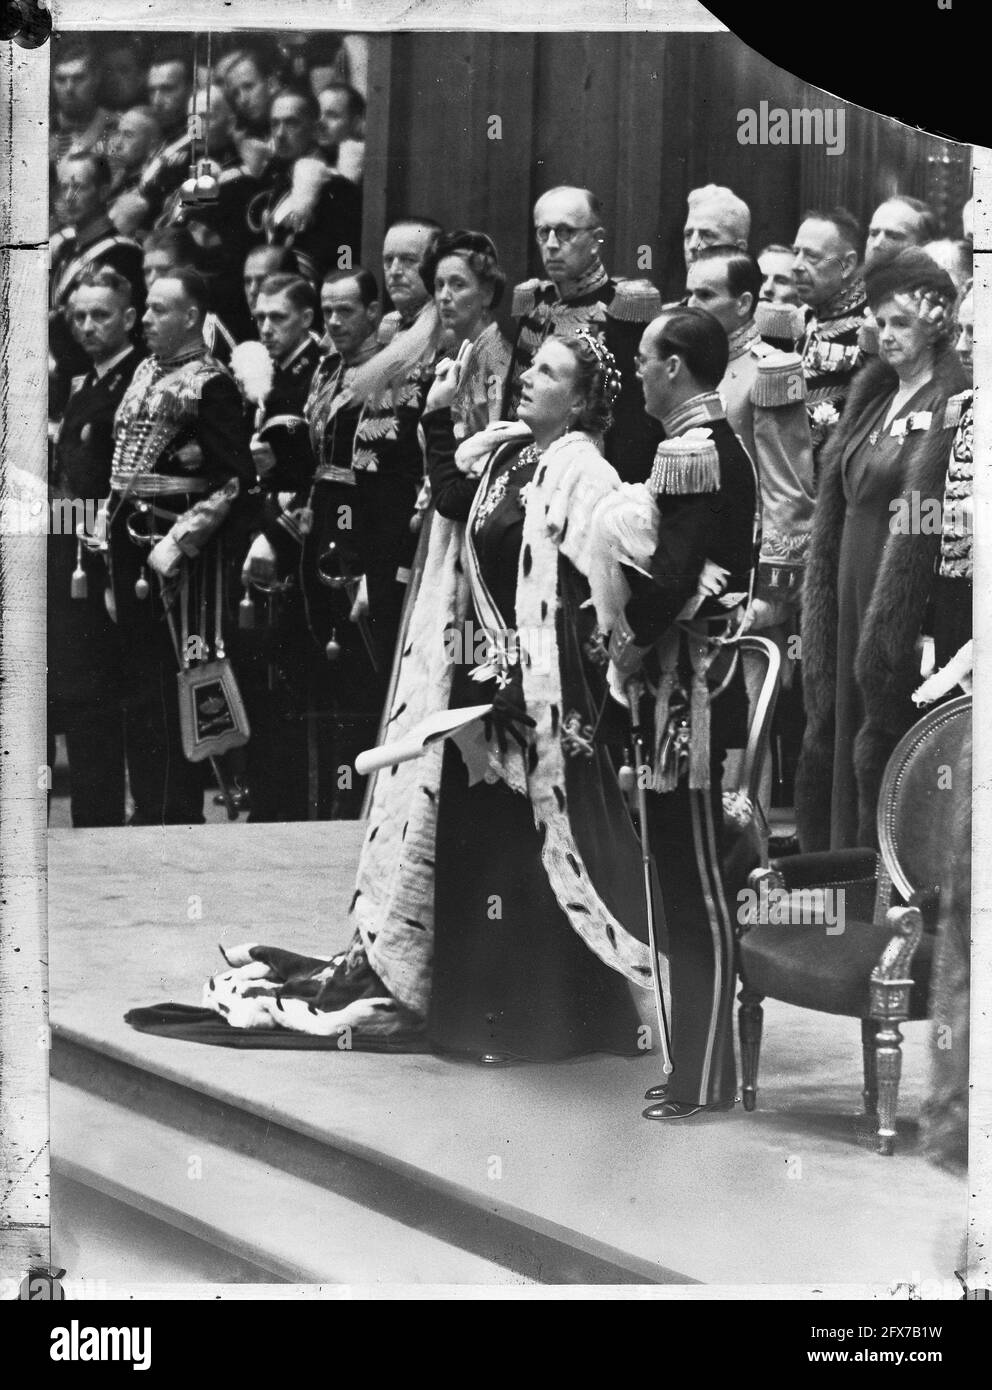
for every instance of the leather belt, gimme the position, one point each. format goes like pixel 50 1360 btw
pixel 155 484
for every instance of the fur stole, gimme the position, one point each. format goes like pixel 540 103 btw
pixel 886 664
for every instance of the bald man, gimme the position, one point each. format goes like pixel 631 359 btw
pixel 580 295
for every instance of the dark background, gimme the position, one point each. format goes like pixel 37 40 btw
pixel 641 118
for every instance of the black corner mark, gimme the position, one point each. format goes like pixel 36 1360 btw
pixel 27 22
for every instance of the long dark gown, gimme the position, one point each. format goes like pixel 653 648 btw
pixel 873 476
pixel 510 974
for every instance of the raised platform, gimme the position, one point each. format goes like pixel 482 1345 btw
pixel 366 1168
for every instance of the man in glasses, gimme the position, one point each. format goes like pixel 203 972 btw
pixel 826 255
pixel 580 295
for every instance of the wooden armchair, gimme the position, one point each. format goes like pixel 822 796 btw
pixel 873 961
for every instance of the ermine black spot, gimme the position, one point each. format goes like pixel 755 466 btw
pixel 528 561
pixel 429 794
pixel 354 899
pixel 532 757
pixel 223 1007
pixel 644 970
pixel 559 797
pixel 397 712
pixel 428 862
pixel 544 609
pixel 459 568
pixel 394 769
pixel 373 935
pixel 611 936
pixel 408 650
pixel 539 480
pixel 561 538
pixel 312 1009
pixel 212 985
pixel 574 864
pixel 279 1003
pixel 577 907
pixel 412 922
pixel 555 716
pixel 403 836
pixel 373 833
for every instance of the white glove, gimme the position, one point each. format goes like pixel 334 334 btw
pixel 165 557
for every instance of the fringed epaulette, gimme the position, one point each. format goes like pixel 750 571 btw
pixel 868 337
pixel 780 380
pixel 525 297
pixel 780 321
pixel 388 328
pixel 955 409
pixel 689 463
pixel 635 301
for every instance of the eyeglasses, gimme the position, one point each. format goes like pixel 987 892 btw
pixel 563 233
pixel 812 258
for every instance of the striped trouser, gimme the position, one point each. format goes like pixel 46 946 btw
pixel 685 830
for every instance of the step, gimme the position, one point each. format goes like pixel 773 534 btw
pixel 279 1222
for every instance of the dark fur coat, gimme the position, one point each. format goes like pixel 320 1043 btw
pixel 887 666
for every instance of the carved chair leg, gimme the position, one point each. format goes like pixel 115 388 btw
pixel 888 1063
pixel 750 1018
pixel 869 1031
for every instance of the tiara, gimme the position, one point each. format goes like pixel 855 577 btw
pixel 607 362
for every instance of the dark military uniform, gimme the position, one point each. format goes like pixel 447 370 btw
pixel 707 496
pixel 188 399
pixel 368 470
pixel 84 655
pixel 605 309
pixel 272 654
pixel 832 348
pixel 335 221
pixel 73 254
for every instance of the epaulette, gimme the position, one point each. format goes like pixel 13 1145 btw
pixel 780 380
pixel 76 384
pixel 635 301
pixel 955 408
pixel 671 307
pixel 868 337
pixel 688 463
pixel 525 297
pixel 779 320
pixel 229 175
pixel 388 327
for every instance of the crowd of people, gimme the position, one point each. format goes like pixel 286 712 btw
pixel 304 497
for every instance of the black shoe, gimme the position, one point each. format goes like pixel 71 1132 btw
pixel 682 1110
pixel 657 1092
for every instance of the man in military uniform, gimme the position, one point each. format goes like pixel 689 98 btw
pixel 303 204
pixel 271 652
pixel 88 240
pixel 671 640
pixel 829 282
pixel 181 459
pixel 84 657
pixel 579 295
pixel 350 528
pixel 764 394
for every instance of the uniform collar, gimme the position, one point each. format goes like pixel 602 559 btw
pixel 697 410
pixel 300 348
pixel 190 354
pixel 844 302
pixel 743 339
pixel 101 369
pixel 593 279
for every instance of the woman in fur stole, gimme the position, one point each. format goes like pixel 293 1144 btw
pixel 870 569
pixel 498 903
